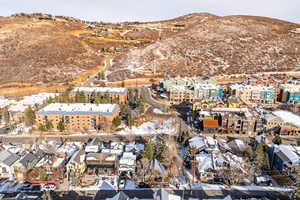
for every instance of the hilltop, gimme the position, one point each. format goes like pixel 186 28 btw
pixel 217 45
pixel 45 50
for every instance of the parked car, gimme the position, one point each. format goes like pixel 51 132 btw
pixel 122 184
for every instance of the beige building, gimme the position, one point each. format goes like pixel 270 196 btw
pixel 78 116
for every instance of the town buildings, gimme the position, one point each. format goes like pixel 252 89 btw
pixel 192 93
pixel 290 93
pixel 254 94
pixel 78 116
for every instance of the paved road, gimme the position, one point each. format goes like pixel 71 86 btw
pixel 29 139
pixel 148 99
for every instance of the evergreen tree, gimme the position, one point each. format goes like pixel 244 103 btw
pixel 77 97
pixel 116 121
pixel 296 194
pixel 148 152
pixel 42 127
pixel 142 104
pixel 97 98
pixel 261 156
pixel 93 97
pixel 6 117
pixel 29 116
pixel 61 126
pixel 64 97
pixel 48 125
pixel 131 97
pixel 101 75
pixel 82 97
pixel 277 140
pixel 159 149
pixel 106 98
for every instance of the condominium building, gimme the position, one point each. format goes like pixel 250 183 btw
pixel 116 94
pixel 168 83
pixel 290 93
pixel 178 94
pixel 78 116
pixel 254 94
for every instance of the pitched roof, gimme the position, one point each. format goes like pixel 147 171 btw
pixel 106 186
pixel 120 196
pixel 8 158
pixel 157 166
pixel 31 158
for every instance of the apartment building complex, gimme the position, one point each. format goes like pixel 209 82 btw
pixel 178 94
pixel 168 83
pixel 78 116
pixel 254 94
pixel 290 93
pixel 116 94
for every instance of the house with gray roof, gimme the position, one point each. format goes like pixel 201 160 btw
pixel 7 159
pixel 27 162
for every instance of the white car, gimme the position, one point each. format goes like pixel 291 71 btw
pixel 122 184
pixel 48 187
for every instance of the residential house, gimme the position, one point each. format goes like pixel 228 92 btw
pixel 284 158
pixel 271 121
pixel 162 194
pixel 101 164
pixel 76 166
pixel 7 159
pixel 26 163
pixel 127 162
pixel 94 146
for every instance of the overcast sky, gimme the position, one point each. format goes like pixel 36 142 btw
pixel 146 10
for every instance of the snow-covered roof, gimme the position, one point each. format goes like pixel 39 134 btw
pixel 17 108
pixel 288 117
pixel 79 108
pixel 205 86
pixel 90 90
pixel 290 87
pixel 204 162
pixel 251 87
pixel 128 158
pixel 292 156
pixel 269 116
pixel 210 141
pixel 5 102
pixel 197 142
pixel 36 98
pixel 230 109
pixel 58 162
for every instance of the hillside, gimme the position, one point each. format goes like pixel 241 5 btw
pixel 45 50
pixel 39 50
pixel 216 45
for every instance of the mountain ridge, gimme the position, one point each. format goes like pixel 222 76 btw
pixel 55 50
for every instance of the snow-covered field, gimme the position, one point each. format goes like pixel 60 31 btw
pixel 157 111
pixel 155 126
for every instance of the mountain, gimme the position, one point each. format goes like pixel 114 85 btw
pixel 216 45
pixel 45 50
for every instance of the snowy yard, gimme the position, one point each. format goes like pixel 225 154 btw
pixel 155 126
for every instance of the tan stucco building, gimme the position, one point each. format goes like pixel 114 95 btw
pixel 79 116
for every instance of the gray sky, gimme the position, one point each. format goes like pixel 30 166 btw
pixel 149 10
